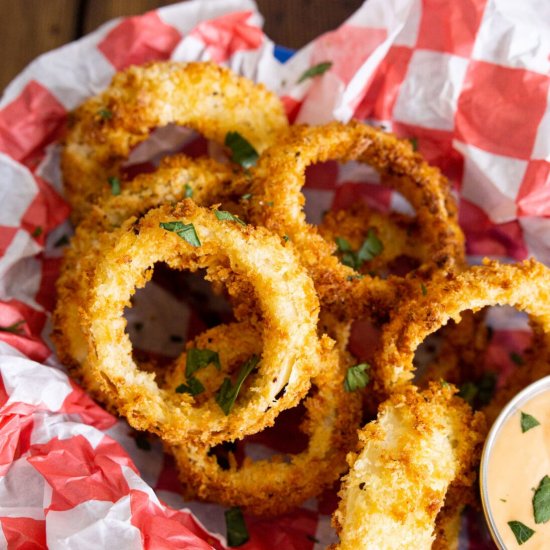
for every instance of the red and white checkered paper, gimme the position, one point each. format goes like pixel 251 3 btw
pixel 468 79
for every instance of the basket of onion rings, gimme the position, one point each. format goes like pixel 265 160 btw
pixel 331 356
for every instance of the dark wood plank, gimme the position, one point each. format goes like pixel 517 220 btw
pixel 294 23
pixel 31 27
pixel 291 23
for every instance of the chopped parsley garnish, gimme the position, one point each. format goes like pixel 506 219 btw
pixel 62 241
pixel 228 217
pixel 237 533
pixel 286 238
pixel 371 247
pixel 517 358
pixel 414 143
pixel 242 151
pixel 356 377
pixel 142 441
pixel 15 328
pixel 528 422
pixel 246 196
pixel 423 289
pixel 480 392
pixel 105 113
pixel 316 70
pixel 184 230
pixel 541 501
pixel 115 185
pixel 188 193
pixel 228 392
pixel 521 531
pixel 194 386
pixel 37 232
pixel 198 358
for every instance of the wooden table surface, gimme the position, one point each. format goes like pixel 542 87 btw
pixel 31 27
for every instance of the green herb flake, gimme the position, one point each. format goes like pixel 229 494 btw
pixel 62 241
pixel 357 377
pixel 246 196
pixel 15 328
pixel 228 392
pixel 37 232
pixel 468 391
pixel 228 217
pixel 316 70
pixel 541 501
pixel 444 383
pixel 528 422
pixel 199 358
pixel 286 238
pixel 480 392
pixel 414 143
pixel 188 191
pixel 423 289
pixel 517 358
pixel 371 247
pixel 106 114
pixel 184 230
pixel 242 151
pixel 194 386
pixel 237 533
pixel 115 185
pixel 142 442
pixel 521 531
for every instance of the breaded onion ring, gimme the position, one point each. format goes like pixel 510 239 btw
pixel 420 444
pixel 289 310
pixel 277 204
pixel 203 96
pixel 274 486
pixel 525 286
pixel 206 180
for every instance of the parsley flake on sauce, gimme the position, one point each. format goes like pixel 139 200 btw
pixel 528 422
pixel 521 531
pixel 356 377
pixel 184 230
pixel 237 533
pixel 541 501
pixel 242 152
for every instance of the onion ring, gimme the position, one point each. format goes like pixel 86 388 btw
pixel 523 285
pixel 407 458
pixel 203 96
pixel 274 486
pixel 286 297
pixel 207 180
pixel 277 204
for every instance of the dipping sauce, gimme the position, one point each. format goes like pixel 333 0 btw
pixel 515 462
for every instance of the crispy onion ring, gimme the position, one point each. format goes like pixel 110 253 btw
pixel 208 181
pixel 420 443
pixel 203 96
pixel 287 301
pixel 277 204
pixel 274 486
pixel 524 286
pixel 402 244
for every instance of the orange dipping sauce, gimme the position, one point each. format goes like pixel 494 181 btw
pixel 515 460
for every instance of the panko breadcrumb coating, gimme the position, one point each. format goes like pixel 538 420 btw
pixel 420 443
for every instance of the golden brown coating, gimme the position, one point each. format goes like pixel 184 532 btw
pixel 208 181
pixel 289 310
pixel 420 443
pixel 276 485
pixel 524 285
pixel 277 203
pixel 203 96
